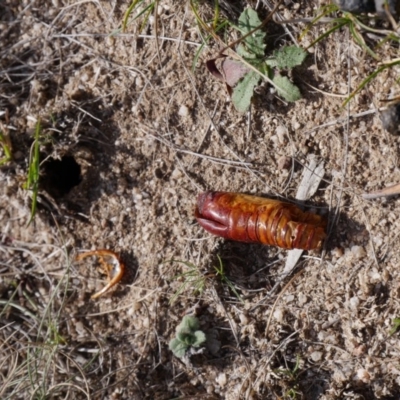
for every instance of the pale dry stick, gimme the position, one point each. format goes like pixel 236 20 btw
pixel 17 329
pixel 391 19
pixel 22 250
pixel 156 31
pixel 73 103
pixel 228 317
pixel 104 59
pixel 327 20
pixel 100 393
pixel 248 130
pixel 183 169
pixel 340 121
pixel 126 35
pixel 265 267
pixel 10 379
pixel 205 134
pixel 22 42
pixel 98 351
pixel 146 339
pixel 329 345
pixel 118 309
pixel 237 164
pixel 290 178
pixel 150 60
pixel 62 11
pixel 10 366
pixel 78 367
pixel 341 96
pixel 159 347
pixel 385 192
pixel 48 393
pixel 346 141
pixel 395 60
pixel 168 133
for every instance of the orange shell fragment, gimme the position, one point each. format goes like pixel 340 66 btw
pixel 114 269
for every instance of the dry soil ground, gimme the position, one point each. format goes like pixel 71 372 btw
pixel 149 134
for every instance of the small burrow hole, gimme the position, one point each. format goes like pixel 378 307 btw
pixel 60 176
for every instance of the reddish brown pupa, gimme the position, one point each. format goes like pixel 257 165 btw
pixel 245 218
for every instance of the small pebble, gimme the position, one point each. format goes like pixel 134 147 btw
pixel 183 111
pixel 391 119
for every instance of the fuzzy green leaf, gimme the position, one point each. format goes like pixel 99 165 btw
pixel 253 46
pixel 200 338
pixel 186 336
pixel 286 89
pixel 287 57
pixel 188 323
pixel 243 91
pixel 178 348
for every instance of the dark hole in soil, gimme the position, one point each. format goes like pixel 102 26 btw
pixel 60 176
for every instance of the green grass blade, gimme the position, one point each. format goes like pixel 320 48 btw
pixel 5 144
pixel 360 41
pixel 325 11
pixel 148 10
pixel 216 15
pixel 328 32
pixel 221 273
pixel 32 182
pixel 128 13
pixel 368 79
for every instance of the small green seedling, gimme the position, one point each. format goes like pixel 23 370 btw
pixel 221 273
pixel 192 279
pixel 6 145
pixel 32 180
pixel 244 74
pixel 140 7
pixel 253 51
pixel 291 375
pixel 396 326
pixel 188 336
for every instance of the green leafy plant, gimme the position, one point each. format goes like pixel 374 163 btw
pixel 32 181
pixel 252 49
pixel 396 326
pixel 187 335
pixel 6 145
pixel 243 74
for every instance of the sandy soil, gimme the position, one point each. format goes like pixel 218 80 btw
pixel 149 134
